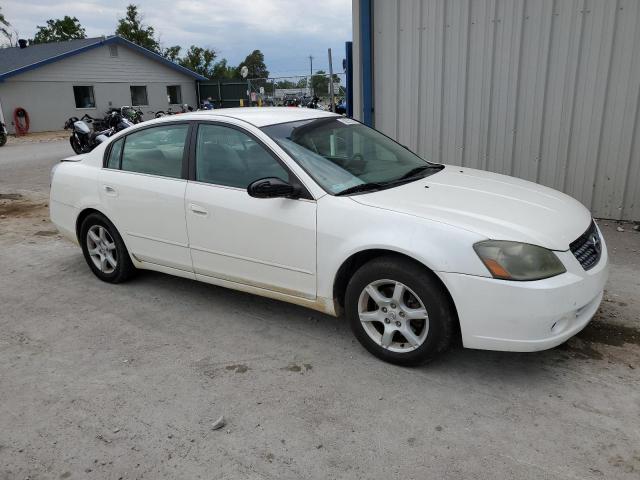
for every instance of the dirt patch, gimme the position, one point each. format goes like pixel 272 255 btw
pixel 15 205
pixel 240 368
pixel 580 349
pixel 610 334
pixel 39 137
pixel 292 367
pixel 10 196
pixel 590 343
pixel 24 217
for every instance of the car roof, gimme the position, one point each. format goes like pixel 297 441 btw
pixel 264 116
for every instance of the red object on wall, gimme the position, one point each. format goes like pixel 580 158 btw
pixel 21 121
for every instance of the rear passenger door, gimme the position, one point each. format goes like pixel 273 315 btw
pixel 142 188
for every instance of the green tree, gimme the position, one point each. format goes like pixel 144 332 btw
pixel 255 63
pixel 199 60
pixel 222 70
pixel 285 84
pixel 172 53
pixel 133 29
pixel 59 30
pixel 320 83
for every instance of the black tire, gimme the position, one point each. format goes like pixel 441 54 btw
pixel 124 268
pixel 441 313
pixel 3 139
pixel 75 144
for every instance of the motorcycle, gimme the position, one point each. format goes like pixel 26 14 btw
pixel 132 114
pixel 186 108
pixel 3 134
pixel 313 103
pixel 118 120
pixel 82 139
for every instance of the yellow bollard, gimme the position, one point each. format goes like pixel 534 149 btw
pixel 241 103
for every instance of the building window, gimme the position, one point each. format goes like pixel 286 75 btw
pixel 174 94
pixel 139 95
pixel 84 96
pixel 113 50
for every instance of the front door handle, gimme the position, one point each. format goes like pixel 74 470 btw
pixel 197 209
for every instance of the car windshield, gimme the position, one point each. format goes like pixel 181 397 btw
pixel 345 156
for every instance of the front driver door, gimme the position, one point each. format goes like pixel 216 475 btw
pixel 266 243
pixel 142 189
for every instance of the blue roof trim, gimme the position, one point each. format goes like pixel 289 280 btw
pixel 100 43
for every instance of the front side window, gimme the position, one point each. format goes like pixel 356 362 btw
pixel 155 151
pixel 84 97
pixel 344 156
pixel 226 156
pixel 174 94
pixel 139 95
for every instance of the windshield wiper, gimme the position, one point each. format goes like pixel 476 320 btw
pixel 414 172
pixel 411 174
pixel 363 187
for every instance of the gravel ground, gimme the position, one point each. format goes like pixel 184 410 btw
pixel 126 381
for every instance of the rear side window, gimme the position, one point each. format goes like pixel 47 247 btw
pixel 226 156
pixel 114 154
pixel 155 151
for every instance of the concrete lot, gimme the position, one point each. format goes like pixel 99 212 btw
pixel 125 381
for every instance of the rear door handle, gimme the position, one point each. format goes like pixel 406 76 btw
pixel 110 190
pixel 197 209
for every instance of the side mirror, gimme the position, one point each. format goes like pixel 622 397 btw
pixel 272 187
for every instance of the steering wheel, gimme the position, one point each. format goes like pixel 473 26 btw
pixel 356 163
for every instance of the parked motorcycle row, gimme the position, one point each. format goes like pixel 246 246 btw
pixel 88 132
pixel 307 101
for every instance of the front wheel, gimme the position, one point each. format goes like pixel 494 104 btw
pixel 399 311
pixel 3 139
pixel 75 144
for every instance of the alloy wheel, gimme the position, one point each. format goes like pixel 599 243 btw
pixel 102 249
pixel 393 316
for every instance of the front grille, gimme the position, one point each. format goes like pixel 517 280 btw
pixel 587 247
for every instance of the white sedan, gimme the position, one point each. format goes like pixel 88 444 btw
pixel 316 209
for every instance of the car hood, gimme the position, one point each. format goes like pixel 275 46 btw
pixel 495 206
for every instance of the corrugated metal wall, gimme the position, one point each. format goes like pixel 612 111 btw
pixel 546 90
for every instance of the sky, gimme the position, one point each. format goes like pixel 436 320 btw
pixel 286 31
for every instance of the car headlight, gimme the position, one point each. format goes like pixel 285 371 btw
pixel 518 261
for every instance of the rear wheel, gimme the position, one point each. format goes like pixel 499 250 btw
pixel 3 139
pixel 399 311
pixel 104 250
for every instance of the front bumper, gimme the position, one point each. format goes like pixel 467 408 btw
pixel 527 316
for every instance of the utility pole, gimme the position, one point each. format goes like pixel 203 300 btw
pixel 311 75
pixel 331 99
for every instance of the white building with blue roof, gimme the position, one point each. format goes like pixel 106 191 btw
pixel 55 81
